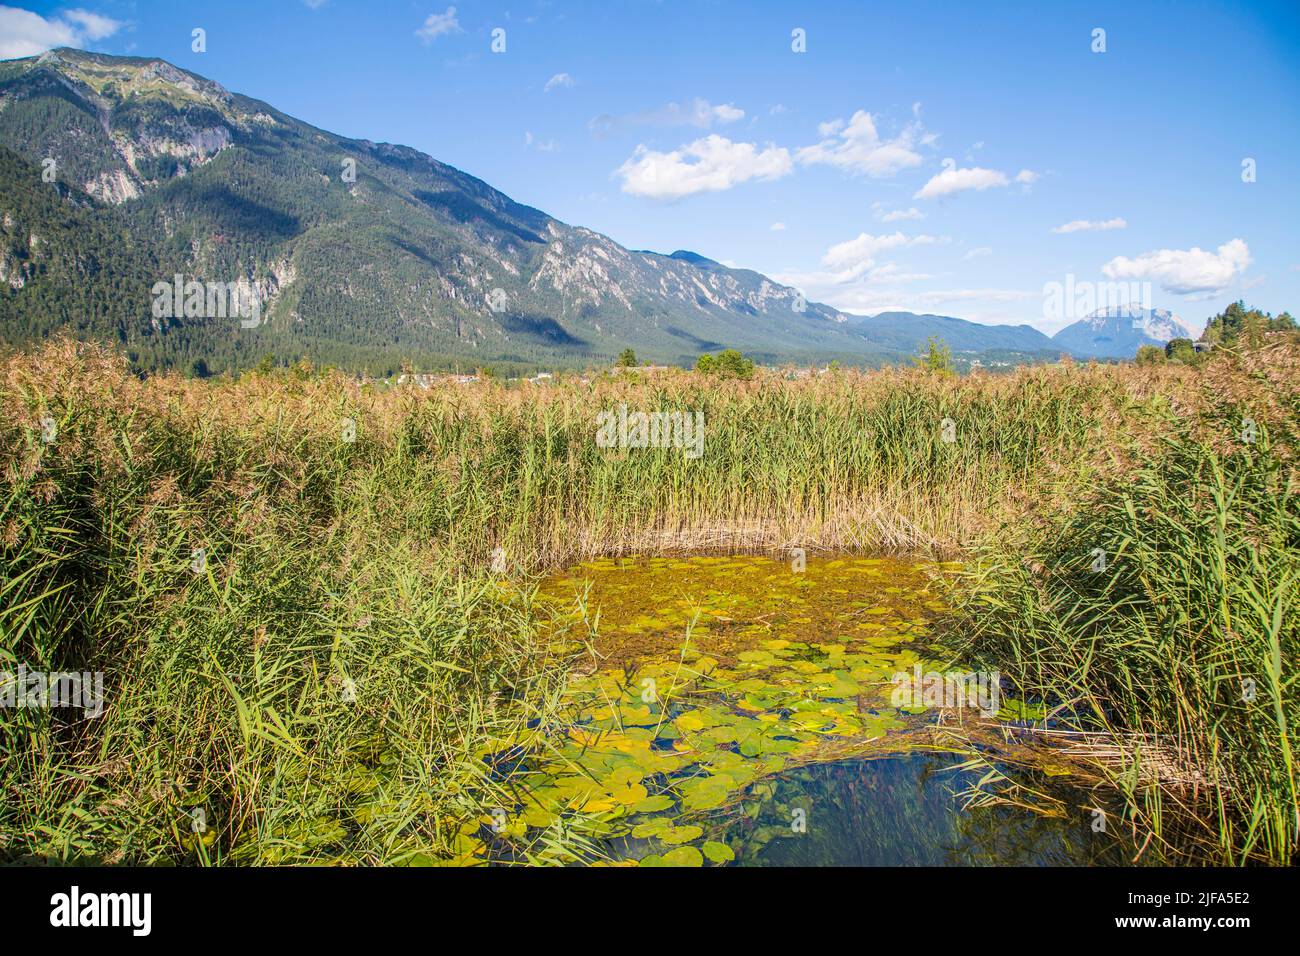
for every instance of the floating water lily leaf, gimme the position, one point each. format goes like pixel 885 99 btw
pixel 625 776
pixel 808 652
pixel 1018 710
pixel 683 856
pixel 651 828
pixel 637 716
pixel 705 793
pixel 718 852
pixel 680 834
pixel 630 795
pixel 690 721
pixel 536 816
pixel 706 665
pixel 660 801
pixel 809 719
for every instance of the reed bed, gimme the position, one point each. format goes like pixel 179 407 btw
pixel 1157 618
pixel 325 687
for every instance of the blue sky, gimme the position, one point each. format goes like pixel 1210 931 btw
pixel 945 157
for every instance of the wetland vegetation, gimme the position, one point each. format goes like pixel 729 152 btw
pixel 345 623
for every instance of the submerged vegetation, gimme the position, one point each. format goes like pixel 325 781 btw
pixel 313 603
pixel 706 675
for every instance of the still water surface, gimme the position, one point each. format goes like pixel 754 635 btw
pixel 739 710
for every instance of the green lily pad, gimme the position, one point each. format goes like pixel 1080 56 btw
pixel 660 801
pixel 683 856
pixel 680 834
pixel 718 852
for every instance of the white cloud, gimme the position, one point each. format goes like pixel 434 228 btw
pixel 891 274
pixel 977 252
pixel 1185 272
pixel 866 299
pixel 853 260
pixel 726 113
pixel 777 227
pixel 557 81
pixel 855 253
pixel 1027 177
pixel 545 145
pixel 975 295
pixel 698 112
pixel 852 279
pixel 857 147
pixel 854 282
pixel 438 24
pixel 954 180
pixel 898 215
pixel 850 270
pixel 93 25
pixel 23 33
pixel 709 164
pixel 1089 225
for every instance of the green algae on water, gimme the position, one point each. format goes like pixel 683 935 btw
pixel 696 678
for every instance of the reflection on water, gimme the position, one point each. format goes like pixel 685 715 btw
pixel 902 810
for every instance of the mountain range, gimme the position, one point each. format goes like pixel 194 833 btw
pixel 118 173
pixel 1119 331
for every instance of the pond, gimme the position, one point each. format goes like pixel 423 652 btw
pixel 751 711
pixel 901 810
